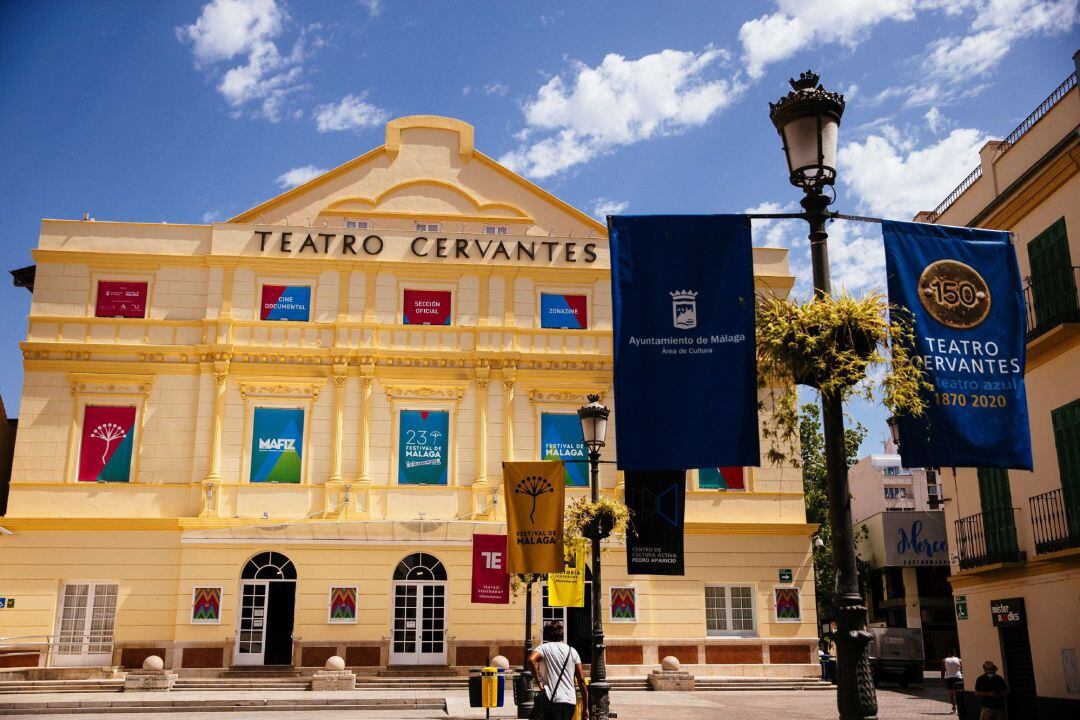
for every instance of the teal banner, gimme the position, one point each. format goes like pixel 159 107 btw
pixel 277 441
pixel 561 439
pixel 423 447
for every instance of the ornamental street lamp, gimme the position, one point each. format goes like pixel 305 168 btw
pixel 808 120
pixel 594 417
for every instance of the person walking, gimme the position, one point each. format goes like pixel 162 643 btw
pixel 561 672
pixel 991 690
pixel 952 669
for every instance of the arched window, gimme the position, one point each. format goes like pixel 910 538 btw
pixel 420 566
pixel 269 566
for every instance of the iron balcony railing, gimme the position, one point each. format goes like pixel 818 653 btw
pixel 1052 299
pixel 988 537
pixel 1055 520
pixel 1018 132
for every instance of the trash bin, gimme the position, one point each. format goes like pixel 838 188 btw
pixel 476 691
pixel 828 668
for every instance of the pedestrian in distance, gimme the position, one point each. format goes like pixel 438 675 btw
pixel 991 690
pixel 561 672
pixel 952 669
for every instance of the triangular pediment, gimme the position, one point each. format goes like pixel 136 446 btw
pixel 428 170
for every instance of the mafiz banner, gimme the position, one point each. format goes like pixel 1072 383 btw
pixel 277 445
pixel 561 439
pixel 534 494
pixel 657 503
pixel 962 286
pixel 423 447
pixel 490 581
pixel 568 312
pixel 286 302
pixel 121 299
pixel 108 436
pixel 683 296
pixel 426 307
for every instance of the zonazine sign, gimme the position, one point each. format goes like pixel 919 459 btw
pixel 568 312
pixel 423 447
pixel 286 302
pixel 277 441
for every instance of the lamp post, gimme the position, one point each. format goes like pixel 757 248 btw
pixel 527 696
pixel 808 120
pixel 594 417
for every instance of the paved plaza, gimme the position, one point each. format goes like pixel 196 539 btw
pixel 895 704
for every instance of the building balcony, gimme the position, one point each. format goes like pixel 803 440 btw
pixel 1052 300
pixel 1055 520
pixel 987 538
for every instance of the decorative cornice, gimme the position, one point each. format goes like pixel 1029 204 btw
pixel 538 396
pixel 105 384
pixel 281 388
pixel 453 393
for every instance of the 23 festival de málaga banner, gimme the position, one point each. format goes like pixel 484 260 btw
pixel 683 302
pixel 423 447
pixel 963 289
pixel 277 445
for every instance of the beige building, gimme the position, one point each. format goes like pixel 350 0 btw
pixel 271 440
pixel 1014 536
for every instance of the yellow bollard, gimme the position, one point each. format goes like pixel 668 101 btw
pixel 577 710
pixel 489 687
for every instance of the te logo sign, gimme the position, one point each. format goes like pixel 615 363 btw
pixel 493 560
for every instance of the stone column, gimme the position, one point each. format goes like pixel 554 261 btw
pixel 362 486
pixel 480 483
pixel 334 490
pixel 508 420
pixel 912 607
pixel 211 484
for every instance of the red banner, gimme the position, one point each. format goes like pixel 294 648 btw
pixel 490 581
pixel 108 435
pixel 426 307
pixel 121 299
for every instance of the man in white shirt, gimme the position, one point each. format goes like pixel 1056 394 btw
pixel 561 672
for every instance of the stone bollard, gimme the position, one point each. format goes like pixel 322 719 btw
pixel 334 676
pixel 152 677
pixel 670 677
pixel 500 662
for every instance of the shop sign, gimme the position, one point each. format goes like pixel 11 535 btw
pixel 568 312
pixel 423 447
pixel 561 439
pixel 960 604
pixel 277 441
pixel 121 299
pixel 1008 612
pixel 286 302
pixel 426 307
pixel 915 538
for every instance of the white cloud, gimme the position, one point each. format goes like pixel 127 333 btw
pixel 227 30
pixel 374 7
pixel 892 178
pixel 777 233
pixel 799 24
pixel 211 216
pixel 496 88
pixel 619 102
pixel 856 257
pixel 935 120
pixel 299 176
pixel 604 207
pixel 352 111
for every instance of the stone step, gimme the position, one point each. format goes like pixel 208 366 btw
pixel 415 671
pixel 218 705
pixel 59 686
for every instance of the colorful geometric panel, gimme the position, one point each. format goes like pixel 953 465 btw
pixel 277 445
pixel 561 439
pixel 206 605
pixel 342 604
pixel 108 436
pixel 787 604
pixel 722 478
pixel 623 604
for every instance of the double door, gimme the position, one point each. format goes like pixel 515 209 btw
pixel 265 625
pixel 85 625
pixel 419 623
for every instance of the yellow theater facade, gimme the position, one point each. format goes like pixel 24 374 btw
pixel 271 440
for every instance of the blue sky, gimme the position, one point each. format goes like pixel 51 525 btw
pixel 195 111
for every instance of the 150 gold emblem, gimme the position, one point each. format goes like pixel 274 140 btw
pixel 954 294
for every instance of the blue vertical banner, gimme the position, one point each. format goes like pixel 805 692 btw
pixel 561 439
pixel 962 287
pixel 423 447
pixel 685 364
pixel 277 445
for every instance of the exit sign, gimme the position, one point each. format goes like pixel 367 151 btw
pixel 785 575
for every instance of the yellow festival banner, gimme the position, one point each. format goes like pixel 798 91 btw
pixel 567 588
pixel 534 516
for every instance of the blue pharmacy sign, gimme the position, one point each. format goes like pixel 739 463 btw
pixel 561 439
pixel 962 287
pixel 685 364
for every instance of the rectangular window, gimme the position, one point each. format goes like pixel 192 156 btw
pixel 285 302
pixel 357 224
pixel 108 438
pixel 895 493
pixel 567 312
pixel 121 299
pixel 561 439
pixel 426 307
pixel 423 447
pixel 427 227
pixel 722 478
pixel 1066 422
pixel 999 522
pixel 86 621
pixel 729 609
pixel 496 230
pixel 1053 279
pixel 277 440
